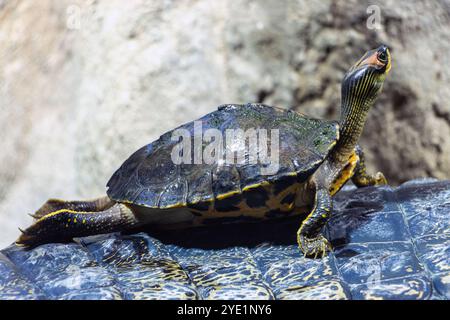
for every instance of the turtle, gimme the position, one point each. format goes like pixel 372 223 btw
pixel 167 185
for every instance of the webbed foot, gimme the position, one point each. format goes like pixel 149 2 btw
pixel 361 178
pixel 64 225
pixel 313 247
pixel 380 179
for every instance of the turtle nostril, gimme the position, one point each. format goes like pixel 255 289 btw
pixel 383 48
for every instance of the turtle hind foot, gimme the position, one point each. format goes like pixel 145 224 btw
pixel 37 234
pixel 315 247
pixel 64 225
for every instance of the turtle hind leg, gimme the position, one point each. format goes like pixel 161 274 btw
pixel 53 205
pixel 361 178
pixel 64 225
pixel 309 238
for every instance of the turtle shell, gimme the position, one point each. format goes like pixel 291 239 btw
pixel 150 178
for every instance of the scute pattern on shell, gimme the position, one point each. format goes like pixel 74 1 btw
pixel 389 244
pixel 150 178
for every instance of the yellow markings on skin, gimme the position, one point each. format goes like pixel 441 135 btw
pixel 273 203
pixel 75 220
pixel 54 213
pixel 306 219
pixel 388 67
pixel 84 221
pixel 345 174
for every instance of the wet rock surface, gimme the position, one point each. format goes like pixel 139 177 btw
pixel 390 243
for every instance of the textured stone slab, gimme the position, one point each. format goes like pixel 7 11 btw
pixel 390 243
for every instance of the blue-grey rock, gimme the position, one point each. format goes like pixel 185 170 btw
pixel 389 243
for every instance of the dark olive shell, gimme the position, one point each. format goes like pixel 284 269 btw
pixel 150 178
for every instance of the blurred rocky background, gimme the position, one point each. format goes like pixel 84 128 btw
pixel 85 83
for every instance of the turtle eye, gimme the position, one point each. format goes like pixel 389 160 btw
pixel 382 57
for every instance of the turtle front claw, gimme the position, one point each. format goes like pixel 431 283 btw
pixel 380 179
pixel 314 247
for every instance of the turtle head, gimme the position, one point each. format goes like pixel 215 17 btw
pixel 364 80
pixel 360 87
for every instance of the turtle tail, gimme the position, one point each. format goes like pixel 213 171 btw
pixel 65 224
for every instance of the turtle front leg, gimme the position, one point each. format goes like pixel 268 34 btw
pixel 310 241
pixel 361 178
